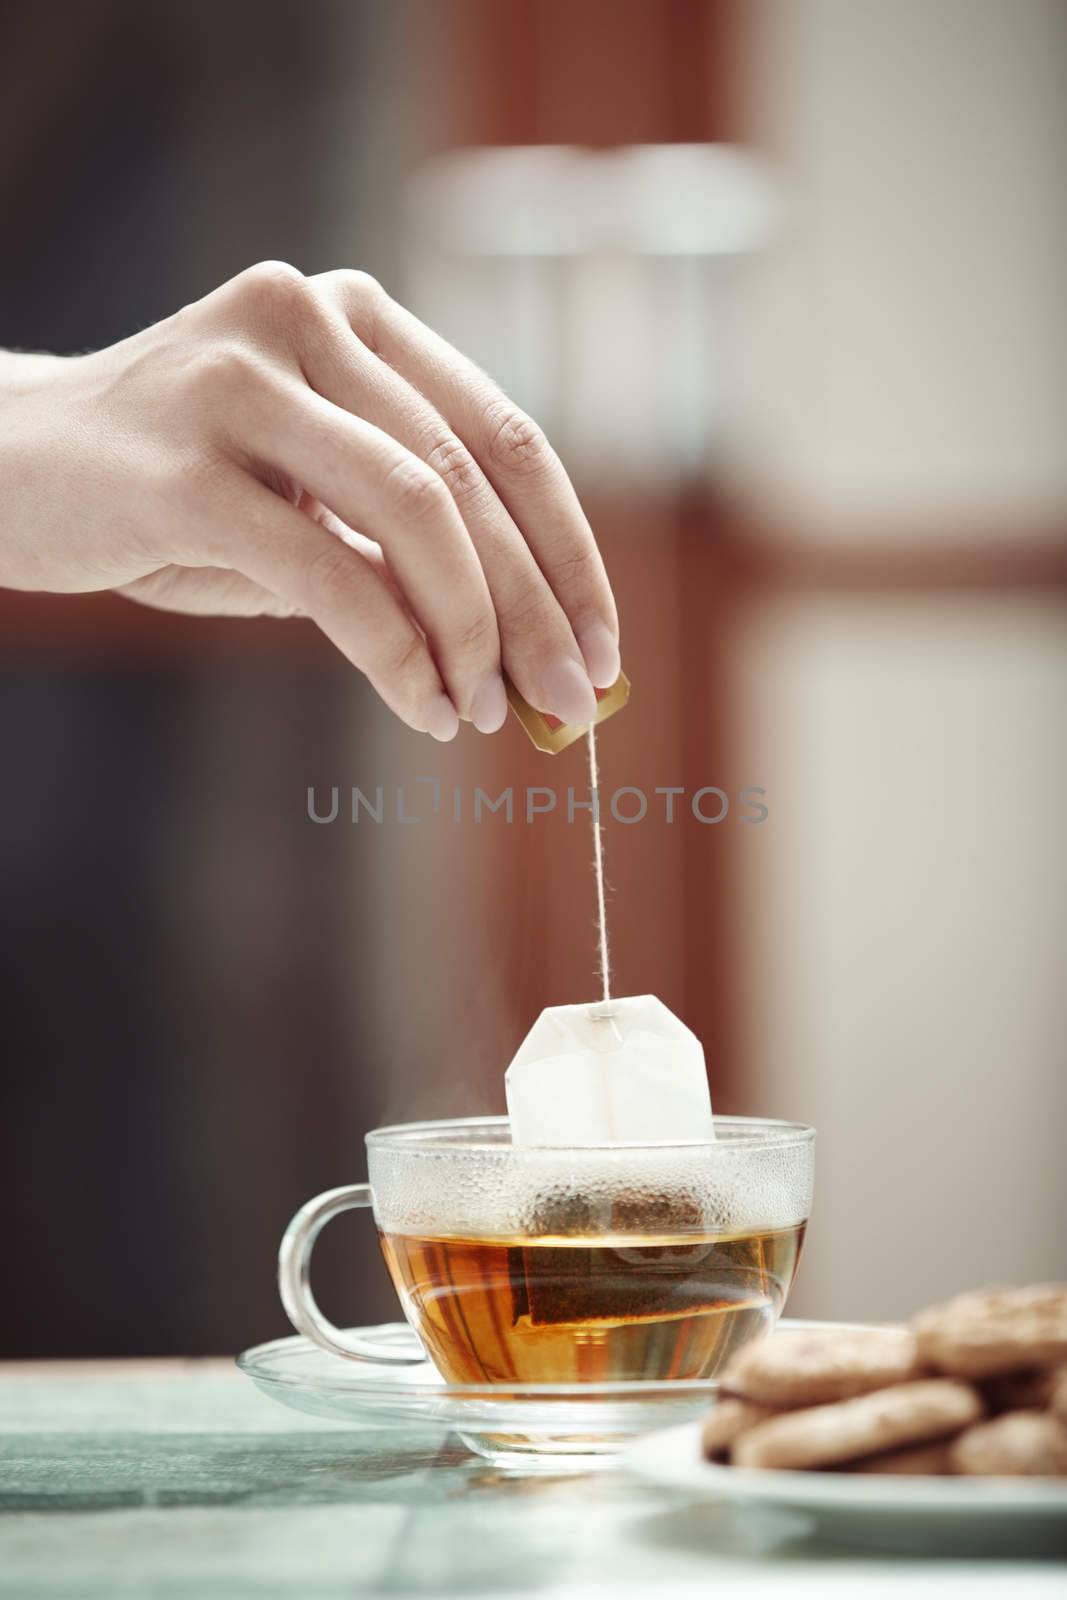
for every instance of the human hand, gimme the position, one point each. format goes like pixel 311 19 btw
pixel 305 446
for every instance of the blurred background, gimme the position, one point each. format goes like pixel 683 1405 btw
pixel 784 281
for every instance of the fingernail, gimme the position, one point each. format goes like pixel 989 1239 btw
pixel 567 693
pixel 601 652
pixel 442 721
pixel 489 707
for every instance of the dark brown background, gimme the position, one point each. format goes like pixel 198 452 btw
pixel 193 1034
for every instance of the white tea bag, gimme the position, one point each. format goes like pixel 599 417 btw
pixel 609 1072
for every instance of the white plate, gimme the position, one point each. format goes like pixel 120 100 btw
pixel 971 1515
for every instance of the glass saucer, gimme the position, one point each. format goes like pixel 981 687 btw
pixel 532 1426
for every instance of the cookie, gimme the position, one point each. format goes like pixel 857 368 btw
pixel 1058 1398
pixel 1017 1444
pixel 727 1421
pixel 920 1461
pixel 824 1436
pixel 1021 1391
pixel 995 1330
pixel 811 1369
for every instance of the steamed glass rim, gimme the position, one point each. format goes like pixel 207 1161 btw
pixel 419 1137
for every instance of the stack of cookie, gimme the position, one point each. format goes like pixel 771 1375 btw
pixel 976 1386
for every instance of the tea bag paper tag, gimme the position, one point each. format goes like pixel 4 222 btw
pixel 609 1072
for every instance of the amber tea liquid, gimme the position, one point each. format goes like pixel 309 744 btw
pixel 583 1310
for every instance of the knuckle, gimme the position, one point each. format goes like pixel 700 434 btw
pixel 477 632
pixel 227 365
pixel 415 493
pixel 575 570
pixel 516 444
pixel 329 573
pixel 364 298
pixel 455 466
pixel 274 288
pixel 363 286
pixel 402 660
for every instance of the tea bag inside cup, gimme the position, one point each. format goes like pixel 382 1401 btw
pixel 609 1072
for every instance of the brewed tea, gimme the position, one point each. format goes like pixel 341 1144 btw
pixel 595 1309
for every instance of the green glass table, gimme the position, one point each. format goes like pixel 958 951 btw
pixel 167 1479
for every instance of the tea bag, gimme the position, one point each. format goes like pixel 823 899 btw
pixel 609 1072
pixel 604 1073
pixel 548 733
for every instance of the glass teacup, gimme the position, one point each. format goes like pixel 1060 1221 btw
pixel 607 1263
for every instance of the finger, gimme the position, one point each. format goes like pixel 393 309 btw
pixel 373 483
pixel 316 573
pixel 537 643
pixel 206 592
pixel 514 455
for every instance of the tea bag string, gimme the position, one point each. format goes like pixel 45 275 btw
pixel 605 1008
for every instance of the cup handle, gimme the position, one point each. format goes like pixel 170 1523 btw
pixel 294 1284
